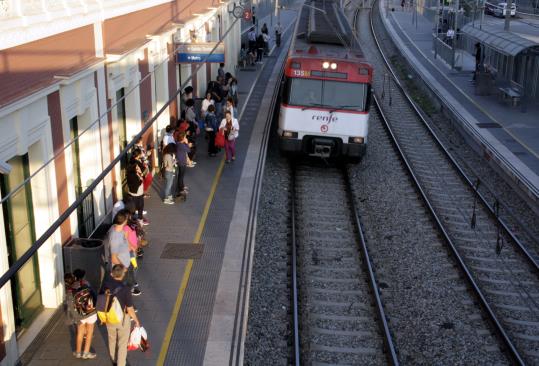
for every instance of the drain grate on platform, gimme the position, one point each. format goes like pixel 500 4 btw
pixel 182 251
pixel 488 125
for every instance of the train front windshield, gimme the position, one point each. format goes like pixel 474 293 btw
pixel 326 94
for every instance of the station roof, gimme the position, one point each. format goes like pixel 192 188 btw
pixel 508 43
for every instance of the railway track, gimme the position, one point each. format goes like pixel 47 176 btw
pixel 497 265
pixel 338 315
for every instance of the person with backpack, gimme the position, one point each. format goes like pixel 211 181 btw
pixel 119 248
pixel 82 312
pixel 118 334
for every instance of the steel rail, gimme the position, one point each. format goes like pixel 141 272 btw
pixel 294 279
pixel 448 155
pixel 497 324
pixel 384 327
pixel 388 340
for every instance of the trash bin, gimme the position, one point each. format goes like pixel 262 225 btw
pixel 86 254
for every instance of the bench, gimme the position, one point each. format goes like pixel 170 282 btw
pixel 511 94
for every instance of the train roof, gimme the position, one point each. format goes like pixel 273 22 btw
pixel 318 34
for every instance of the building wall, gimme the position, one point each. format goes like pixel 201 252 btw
pixel 27 130
pixel 48 81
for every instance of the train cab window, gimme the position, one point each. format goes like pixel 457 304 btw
pixel 326 94
pixel 351 96
pixel 305 92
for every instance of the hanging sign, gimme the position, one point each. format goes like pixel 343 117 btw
pixel 192 53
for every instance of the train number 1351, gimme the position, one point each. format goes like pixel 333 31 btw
pixel 300 73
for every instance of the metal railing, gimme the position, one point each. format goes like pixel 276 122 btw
pixel 442 49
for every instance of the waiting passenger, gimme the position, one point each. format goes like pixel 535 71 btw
pixel 230 127
pixel 135 187
pixel 81 311
pixel 169 167
pixel 182 149
pixel 211 129
pixel 118 334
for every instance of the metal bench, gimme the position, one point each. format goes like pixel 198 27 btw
pixel 511 94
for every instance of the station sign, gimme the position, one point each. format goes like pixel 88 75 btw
pixel 192 53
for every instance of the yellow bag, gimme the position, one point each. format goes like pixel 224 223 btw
pixel 134 262
pixel 108 307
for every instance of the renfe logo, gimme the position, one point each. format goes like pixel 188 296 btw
pixel 328 119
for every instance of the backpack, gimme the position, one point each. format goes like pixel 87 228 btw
pixel 109 309
pixel 83 300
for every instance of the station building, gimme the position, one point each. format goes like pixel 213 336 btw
pixel 95 68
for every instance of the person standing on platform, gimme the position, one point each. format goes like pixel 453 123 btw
pixel 205 104
pixel 118 334
pixel 221 70
pixel 119 249
pixel 215 89
pixel 169 167
pixel 264 29
pixel 182 149
pixel 266 43
pixel 251 36
pixel 135 188
pixel 230 106
pixel 259 48
pixel 78 288
pixel 278 33
pixel 230 127
pixel 477 59
pixel 211 129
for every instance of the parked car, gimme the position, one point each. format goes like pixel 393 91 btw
pixel 499 9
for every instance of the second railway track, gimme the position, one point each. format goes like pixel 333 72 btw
pixel 504 276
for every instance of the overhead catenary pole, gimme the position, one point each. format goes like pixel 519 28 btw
pixel 508 15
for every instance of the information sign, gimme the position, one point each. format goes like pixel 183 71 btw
pixel 193 53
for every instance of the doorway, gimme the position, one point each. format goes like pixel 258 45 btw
pixel 20 235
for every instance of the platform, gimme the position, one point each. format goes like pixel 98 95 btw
pixel 508 136
pixel 193 304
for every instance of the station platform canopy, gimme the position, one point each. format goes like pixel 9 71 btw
pixel 506 43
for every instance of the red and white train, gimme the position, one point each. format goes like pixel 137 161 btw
pixel 326 93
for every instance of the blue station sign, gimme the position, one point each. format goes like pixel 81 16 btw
pixel 193 53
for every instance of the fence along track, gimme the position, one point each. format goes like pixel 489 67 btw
pixel 341 317
pixel 504 277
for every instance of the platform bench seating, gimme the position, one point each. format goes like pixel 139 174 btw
pixel 511 94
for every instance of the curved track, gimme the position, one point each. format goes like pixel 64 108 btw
pixel 338 314
pixel 496 264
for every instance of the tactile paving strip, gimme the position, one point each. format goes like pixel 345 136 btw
pixel 188 343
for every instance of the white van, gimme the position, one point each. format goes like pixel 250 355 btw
pixel 499 9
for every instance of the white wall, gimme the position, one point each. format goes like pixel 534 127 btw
pixel 78 98
pixel 26 129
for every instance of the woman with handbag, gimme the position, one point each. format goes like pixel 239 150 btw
pixel 169 167
pixel 230 127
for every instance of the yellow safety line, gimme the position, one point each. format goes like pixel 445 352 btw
pixel 188 267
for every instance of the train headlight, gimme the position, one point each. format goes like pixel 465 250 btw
pixel 290 134
pixel 356 140
pixel 325 65
pixel 333 66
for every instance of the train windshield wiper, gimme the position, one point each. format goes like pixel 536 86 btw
pixel 336 108
pixel 312 105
